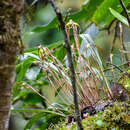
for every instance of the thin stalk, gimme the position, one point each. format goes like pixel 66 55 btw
pixel 80 57
pixel 59 84
pixel 52 84
pixel 122 42
pixel 104 78
pixel 84 92
pixel 113 72
pixel 29 86
pixel 93 73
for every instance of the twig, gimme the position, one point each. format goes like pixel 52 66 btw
pixel 70 61
pixel 125 10
pixel 113 72
pixel 125 72
pixel 29 86
pixel 115 36
pixel 126 63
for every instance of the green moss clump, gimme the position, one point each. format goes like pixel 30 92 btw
pixel 117 116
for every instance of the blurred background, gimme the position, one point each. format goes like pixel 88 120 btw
pixel 42 14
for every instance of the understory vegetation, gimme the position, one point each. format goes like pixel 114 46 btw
pixel 44 94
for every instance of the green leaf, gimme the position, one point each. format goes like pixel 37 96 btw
pixel 47 114
pixel 37 110
pixel 73 127
pixel 33 98
pixel 53 23
pixel 102 17
pixel 22 68
pixel 33 120
pixel 32 50
pixel 86 12
pixel 60 51
pixel 21 94
pixel 119 16
pixel 55 45
pixel 58 89
pixel 40 75
pixel 49 120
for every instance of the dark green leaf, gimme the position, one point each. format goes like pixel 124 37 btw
pixel 32 98
pixel 50 119
pixel 33 120
pixel 42 28
pixel 60 53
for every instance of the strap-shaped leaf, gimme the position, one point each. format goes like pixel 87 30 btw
pixel 119 16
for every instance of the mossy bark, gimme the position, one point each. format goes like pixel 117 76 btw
pixel 10 16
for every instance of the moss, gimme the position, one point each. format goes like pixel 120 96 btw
pixel 114 117
pixel 125 80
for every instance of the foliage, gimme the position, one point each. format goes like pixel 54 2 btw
pixel 97 11
pixel 43 78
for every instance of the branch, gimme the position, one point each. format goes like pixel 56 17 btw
pixel 71 66
pixel 125 10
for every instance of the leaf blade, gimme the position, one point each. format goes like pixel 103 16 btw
pixel 119 16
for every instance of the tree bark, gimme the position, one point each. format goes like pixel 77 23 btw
pixel 10 16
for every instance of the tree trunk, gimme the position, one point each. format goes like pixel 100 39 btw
pixel 10 16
